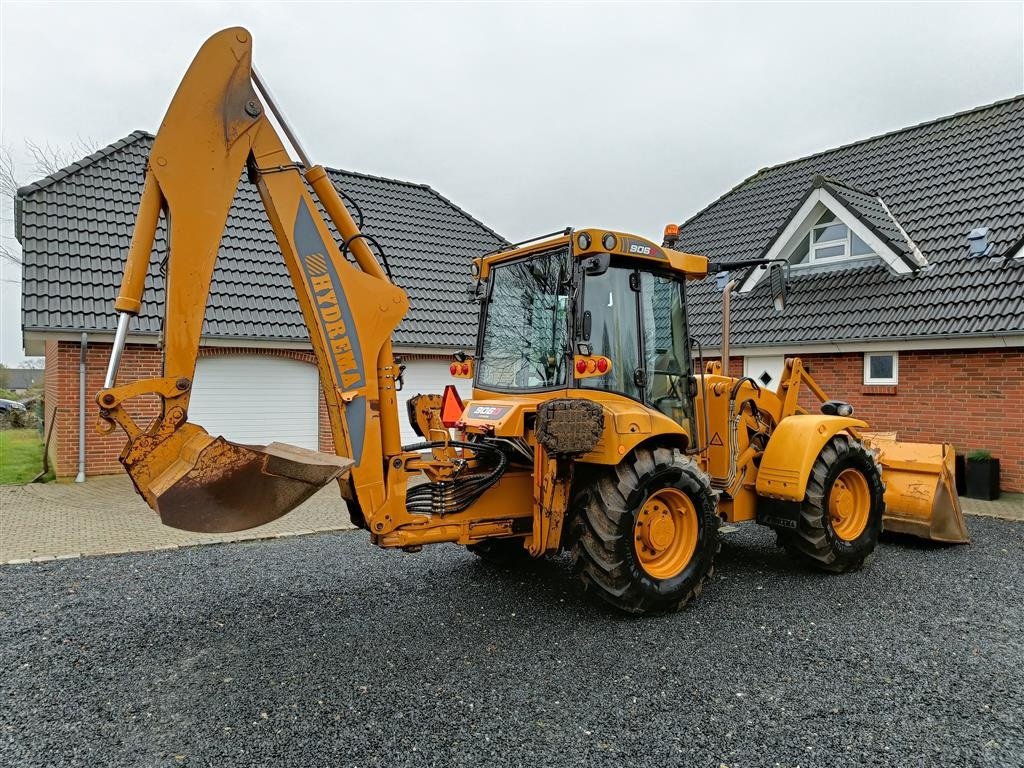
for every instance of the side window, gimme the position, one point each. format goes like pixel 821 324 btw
pixel 666 356
pixel 881 368
pixel 612 305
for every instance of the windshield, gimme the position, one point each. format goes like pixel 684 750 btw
pixel 525 330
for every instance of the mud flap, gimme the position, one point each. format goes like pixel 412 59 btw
pixel 216 486
pixel 920 491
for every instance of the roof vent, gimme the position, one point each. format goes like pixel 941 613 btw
pixel 978 242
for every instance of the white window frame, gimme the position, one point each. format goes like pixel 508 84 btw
pixel 819 201
pixel 847 243
pixel 895 379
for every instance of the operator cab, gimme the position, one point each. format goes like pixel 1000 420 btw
pixel 591 309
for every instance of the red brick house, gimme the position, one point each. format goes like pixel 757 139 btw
pixel 256 379
pixel 906 278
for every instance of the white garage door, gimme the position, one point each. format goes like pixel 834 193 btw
pixel 257 400
pixel 426 377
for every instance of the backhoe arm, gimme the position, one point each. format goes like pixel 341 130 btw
pixel 217 128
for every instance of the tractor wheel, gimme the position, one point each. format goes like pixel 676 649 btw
pixel 841 515
pixel 646 532
pixel 504 553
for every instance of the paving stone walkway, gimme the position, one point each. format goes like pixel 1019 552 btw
pixel 105 516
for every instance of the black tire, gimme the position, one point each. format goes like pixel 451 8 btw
pixel 504 553
pixel 815 542
pixel 605 510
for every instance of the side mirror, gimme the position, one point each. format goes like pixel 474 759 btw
pixel 476 291
pixel 597 264
pixel 588 322
pixel 777 274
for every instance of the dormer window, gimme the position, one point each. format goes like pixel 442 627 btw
pixel 829 240
pixel 837 226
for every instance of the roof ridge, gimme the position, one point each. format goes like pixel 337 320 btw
pixel 835 181
pixel 894 132
pixel 751 177
pixel 374 177
pixel 99 154
pixel 135 135
pixel 417 185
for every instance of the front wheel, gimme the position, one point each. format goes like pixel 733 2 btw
pixel 841 515
pixel 646 532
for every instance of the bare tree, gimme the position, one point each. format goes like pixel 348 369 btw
pixel 8 178
pixel 44 159
pixel 8 188
pixel 48 158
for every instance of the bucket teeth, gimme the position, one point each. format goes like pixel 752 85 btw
pixel 216 486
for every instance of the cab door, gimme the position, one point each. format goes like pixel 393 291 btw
pixel 610 325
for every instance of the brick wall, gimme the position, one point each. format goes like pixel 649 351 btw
pixel 137 362
pixel 970 398
pixel 62 372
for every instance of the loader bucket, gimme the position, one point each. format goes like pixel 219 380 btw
pixel 920 491
pixel 199 483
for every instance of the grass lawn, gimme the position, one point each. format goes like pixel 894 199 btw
pixel 21 455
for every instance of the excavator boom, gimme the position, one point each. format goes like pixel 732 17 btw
pixel 216 129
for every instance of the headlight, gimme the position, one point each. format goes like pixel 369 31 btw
pixel 608 241
pixel 583 241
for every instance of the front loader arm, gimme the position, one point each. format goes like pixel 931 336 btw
pixel 215 129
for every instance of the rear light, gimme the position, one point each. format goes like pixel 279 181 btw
pixel 451 406
pixel 461 370
pixel 591 365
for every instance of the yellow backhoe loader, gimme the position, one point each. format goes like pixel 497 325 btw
pixel 593 426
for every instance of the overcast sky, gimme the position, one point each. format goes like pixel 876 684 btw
pixel 531 117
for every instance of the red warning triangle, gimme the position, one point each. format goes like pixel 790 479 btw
pixel 451 406
pixel 716 440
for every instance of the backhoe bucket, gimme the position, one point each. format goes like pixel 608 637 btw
pixel 920 491
pixel 211 485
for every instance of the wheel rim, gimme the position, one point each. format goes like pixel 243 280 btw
pixel 665 533
pixel 849 504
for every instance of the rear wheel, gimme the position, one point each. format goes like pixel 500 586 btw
pixel 646 532
pixel 841 516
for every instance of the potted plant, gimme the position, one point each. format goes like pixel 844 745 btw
pixel 982 475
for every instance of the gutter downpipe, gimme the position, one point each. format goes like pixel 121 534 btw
pixel 83 346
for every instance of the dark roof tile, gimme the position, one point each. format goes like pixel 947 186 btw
pixel 75 226
pixel 939 180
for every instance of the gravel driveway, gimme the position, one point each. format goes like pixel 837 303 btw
pixel 323 650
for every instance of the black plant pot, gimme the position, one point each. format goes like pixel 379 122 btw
pixel 982 479
pixel 960 472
